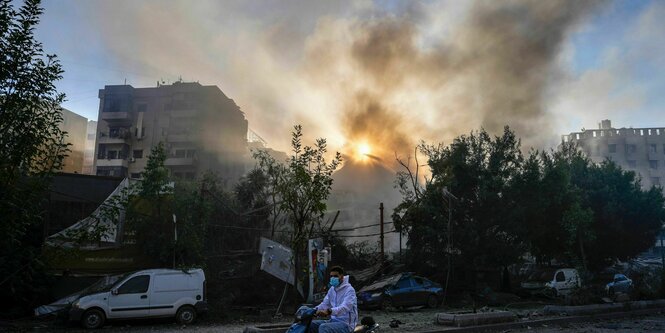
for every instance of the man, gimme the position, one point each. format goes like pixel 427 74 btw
pixel 340 304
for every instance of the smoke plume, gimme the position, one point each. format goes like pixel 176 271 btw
pixel 348 70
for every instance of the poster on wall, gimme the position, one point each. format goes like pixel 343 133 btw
pixel 318 257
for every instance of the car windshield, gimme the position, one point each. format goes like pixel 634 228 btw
pixel 105 283
pixel 383 283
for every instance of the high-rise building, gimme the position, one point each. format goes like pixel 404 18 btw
pixel 201 128
pixel 638 149
pixel 89 152
pixel 75 126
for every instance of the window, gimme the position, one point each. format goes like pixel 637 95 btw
pixel 136 285
pixel 189 175
pixel 190 153
pixel 138 153
pixel 631 149
pixel 632 164
pixel 612 148
pixel 404 283
pixel 180 153
pixel 655 180
pixel 135 175
pixel 653 164
pixel 112 154
pixel 418 282
pixel 652 148
pixel 114 132
pixel 560 277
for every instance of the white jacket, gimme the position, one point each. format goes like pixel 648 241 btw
pixel 342 301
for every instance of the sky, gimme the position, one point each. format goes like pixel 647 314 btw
pixel 383 74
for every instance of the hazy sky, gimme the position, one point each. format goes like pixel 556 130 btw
pixel 386 73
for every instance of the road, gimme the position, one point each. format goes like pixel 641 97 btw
pixel 415 321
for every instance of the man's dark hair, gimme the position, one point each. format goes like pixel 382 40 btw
pixel 338 269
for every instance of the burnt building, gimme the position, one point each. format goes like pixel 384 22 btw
pixel 201 128
pixel 637 149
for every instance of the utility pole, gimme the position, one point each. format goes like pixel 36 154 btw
pixel 175 238
pixel 381 209
pixel 449 246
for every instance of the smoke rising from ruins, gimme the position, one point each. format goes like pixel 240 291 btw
pixel 351 70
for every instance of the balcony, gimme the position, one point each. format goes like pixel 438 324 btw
pixel 116 116
pixel 112 163
pixel 180 161
pixel 184 113
pixel 178 138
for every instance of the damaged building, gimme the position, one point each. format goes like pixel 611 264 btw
pixel 641 150
pixel 201 127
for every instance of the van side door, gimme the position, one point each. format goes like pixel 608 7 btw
pixel 130 299
pixel 170 291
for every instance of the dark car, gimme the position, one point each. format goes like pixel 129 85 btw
pixel 621 283
pixel 401 290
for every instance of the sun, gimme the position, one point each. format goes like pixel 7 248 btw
pixel 363 151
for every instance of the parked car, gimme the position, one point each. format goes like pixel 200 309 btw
pixel 401 290
pixel 553 282
pixel 620 284
pixel 143 294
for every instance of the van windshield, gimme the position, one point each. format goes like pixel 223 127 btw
pixel 105 283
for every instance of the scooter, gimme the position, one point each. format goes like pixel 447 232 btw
pixel 305 315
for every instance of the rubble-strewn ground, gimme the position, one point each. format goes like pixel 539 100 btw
pixel 412 321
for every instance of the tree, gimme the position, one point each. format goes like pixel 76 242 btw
pixel 32 149
pixel 478 170
pixel 301 187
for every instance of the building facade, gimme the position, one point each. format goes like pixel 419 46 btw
pixel 637 149
pixel 75 126
pixel 89 152
pixel 202 129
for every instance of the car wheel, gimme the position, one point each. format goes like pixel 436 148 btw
pixel 185 315
pixel 432 302
pixel 387 304
pixel 93 319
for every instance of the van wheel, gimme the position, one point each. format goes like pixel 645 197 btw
pixel 185 315
pixel 93 319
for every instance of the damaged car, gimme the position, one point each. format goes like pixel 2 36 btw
pixel 552 282
pixel 400 290
pixel 620 284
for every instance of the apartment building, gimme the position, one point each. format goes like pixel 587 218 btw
pixel 638 149
pixel 89 151
pixel 75 126
pixel 201 127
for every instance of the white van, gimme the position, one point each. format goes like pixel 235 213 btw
pixel 565 280
pixel 144 294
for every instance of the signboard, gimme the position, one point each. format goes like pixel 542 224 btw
pixel 318 256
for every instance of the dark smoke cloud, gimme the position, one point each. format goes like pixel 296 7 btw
pixel 493 70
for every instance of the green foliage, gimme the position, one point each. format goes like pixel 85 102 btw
pixel 32 149
pixel 552 205
pixel 300 187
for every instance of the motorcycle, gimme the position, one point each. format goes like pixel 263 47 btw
pixel 305 315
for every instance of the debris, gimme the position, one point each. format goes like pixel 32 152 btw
pixel 395 323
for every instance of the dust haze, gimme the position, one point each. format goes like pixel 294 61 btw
pixel 357 70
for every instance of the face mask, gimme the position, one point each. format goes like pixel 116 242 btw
pixel 334 281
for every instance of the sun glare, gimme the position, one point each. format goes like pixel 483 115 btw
pixel 362 151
